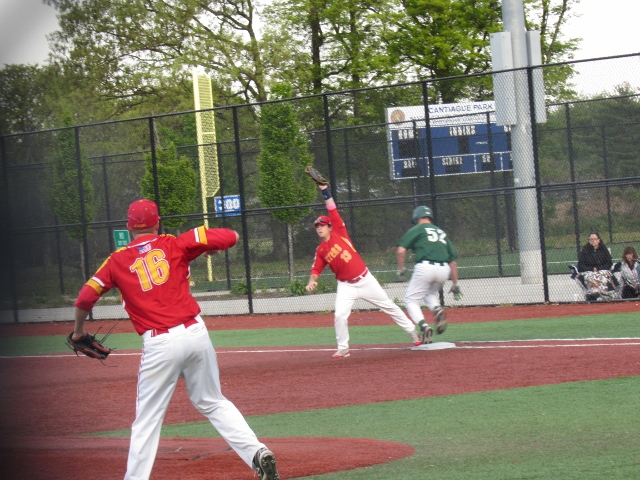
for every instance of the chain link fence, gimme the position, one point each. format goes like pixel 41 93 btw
pixel 517 189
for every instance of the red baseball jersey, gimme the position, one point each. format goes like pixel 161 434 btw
pixel 152 274
pixel 338 252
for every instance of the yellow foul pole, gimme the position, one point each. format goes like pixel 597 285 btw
pixel 207 152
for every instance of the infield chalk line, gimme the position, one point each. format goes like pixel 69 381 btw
pixel 487 344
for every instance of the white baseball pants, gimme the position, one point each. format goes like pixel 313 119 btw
pixel 425 283
pixel 370 290
pixel 187 353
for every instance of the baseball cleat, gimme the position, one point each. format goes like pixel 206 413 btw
pixel 342 352
pixel 427 333
pixel 264 464
pixel 441 320
pixel 415 338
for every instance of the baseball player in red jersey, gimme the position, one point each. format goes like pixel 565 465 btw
pixel 152 275
pixel 355 282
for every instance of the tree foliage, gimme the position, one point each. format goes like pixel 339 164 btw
pixel 140 53
pixel 177 182
pixel 23 105
pixel 139 49
pixel 283 158
pixel 67 203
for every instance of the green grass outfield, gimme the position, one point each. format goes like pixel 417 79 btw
pixel 580 430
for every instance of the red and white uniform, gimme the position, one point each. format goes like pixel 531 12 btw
pixel 152 274
pixel 354 280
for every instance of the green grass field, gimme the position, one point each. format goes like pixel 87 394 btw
pixel 581 430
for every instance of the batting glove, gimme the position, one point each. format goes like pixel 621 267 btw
pixel 455 289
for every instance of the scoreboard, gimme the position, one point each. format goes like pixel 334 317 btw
pixel 463 138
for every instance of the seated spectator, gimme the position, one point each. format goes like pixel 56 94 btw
pixel 629 269
pixel 594 269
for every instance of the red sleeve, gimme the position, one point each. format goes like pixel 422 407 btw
pixel 201 239
pixel 87 298
pixel 318 264
pixel 337 224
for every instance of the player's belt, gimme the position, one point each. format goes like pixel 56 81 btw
pixel 439 264
pixel 359 277
pixel 154 332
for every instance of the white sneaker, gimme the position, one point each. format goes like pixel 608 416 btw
pixel 342 352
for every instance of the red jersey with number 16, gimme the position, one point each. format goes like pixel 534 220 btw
pixel 338 252
pixel 152 274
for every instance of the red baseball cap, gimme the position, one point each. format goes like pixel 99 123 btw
pixel 142 214
pixel 322 220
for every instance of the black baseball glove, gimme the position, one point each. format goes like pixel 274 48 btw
pixel 316 176
pixel 89 346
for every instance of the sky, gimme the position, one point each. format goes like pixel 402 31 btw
pixel 608 31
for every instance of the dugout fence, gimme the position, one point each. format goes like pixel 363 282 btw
pixel 65 192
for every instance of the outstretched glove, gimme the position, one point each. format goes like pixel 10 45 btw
pixel 316 176
pixel 455 289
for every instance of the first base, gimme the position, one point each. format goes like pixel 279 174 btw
pixel 435 346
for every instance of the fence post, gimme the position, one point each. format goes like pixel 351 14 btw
pixel 330 155
pixel 574 196
pixel 59 255
pixel 224 217
pixel 432 178
pixel 154 166
pixel 83 217
pixel 606 176
pixel 243 209
pixel 347 160
pixel 536 169
pixel 496 215
pixel 8 254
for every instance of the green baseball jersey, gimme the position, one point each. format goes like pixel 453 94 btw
pixel 428 242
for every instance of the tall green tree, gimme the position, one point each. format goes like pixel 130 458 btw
pixel 177 182
pixel 281 163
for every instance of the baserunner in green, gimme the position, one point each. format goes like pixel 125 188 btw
pixel 435 263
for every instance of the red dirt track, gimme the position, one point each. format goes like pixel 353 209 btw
pixel 41 414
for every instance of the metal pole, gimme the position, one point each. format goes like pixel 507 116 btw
pixel 227 265
pixel 154 166
pixel 606 176
pixel 83 218
pixel 572 170
pixel 8 254
pixel 245 229
pixel 522 149
pixel 536 165
pixel 496 214
pixel 432 178
pixel 330 156
pixel 107 202
pixel 347 160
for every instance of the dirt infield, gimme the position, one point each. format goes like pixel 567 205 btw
pixel 41 415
